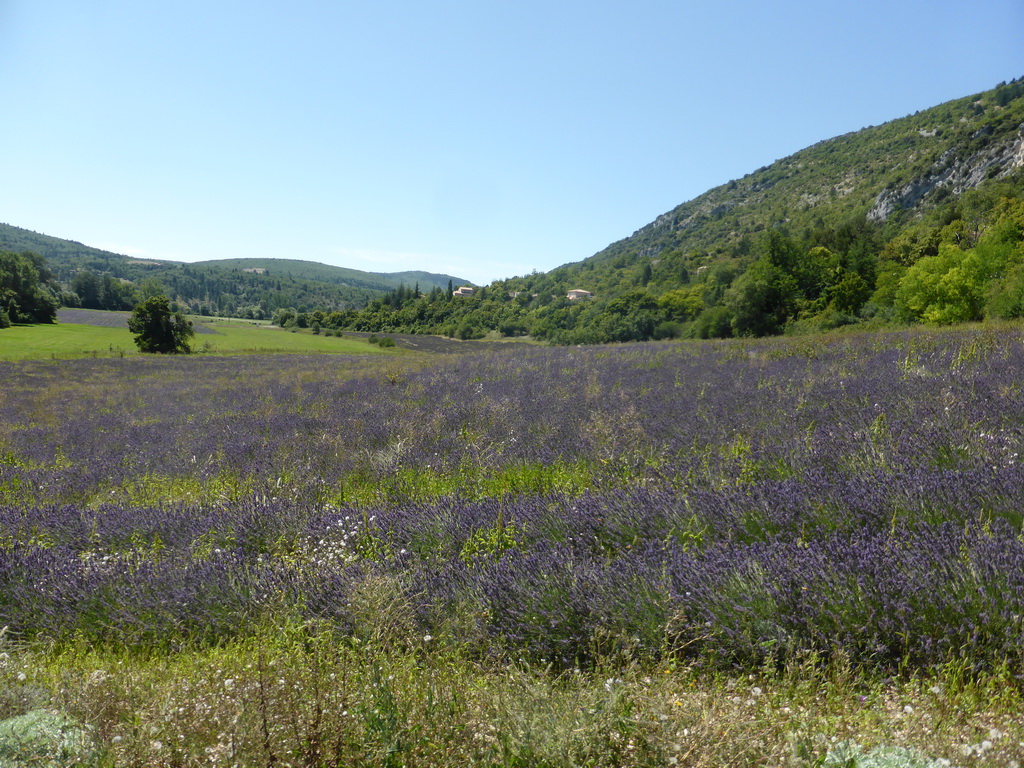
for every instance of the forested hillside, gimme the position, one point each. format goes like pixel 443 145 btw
pixel 919 219
pixel 98 279
pixel 916 220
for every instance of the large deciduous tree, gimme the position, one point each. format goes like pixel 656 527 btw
pixel 158 329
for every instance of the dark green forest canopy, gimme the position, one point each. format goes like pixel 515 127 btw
pixel 27 289
pixel 256 288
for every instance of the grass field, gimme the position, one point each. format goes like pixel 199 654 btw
pixel 74 340
pixel 34 342
pixel 232 338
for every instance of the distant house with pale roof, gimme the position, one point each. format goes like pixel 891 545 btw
pixel 464 290
pixel 578 293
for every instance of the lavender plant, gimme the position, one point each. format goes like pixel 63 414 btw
pixel 728 503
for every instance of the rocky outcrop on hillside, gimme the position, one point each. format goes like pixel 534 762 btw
pixel 956 174
pixel 917 163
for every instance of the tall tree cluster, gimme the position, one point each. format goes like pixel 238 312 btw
pixel 28 291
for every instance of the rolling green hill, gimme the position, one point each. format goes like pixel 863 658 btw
pixel 249 287
pixel 325 273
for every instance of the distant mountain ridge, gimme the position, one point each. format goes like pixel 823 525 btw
pixel 254 285
pixel 328 273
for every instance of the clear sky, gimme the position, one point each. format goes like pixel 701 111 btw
pixel 479 138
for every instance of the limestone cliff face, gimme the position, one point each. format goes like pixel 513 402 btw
pixel 956 174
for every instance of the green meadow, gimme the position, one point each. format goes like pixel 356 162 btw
pixel 72 340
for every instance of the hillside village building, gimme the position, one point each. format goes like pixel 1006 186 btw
pixel 464 290
pixel 578 293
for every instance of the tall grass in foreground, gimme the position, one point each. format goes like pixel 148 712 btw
pixel 735 553
pixel 297 697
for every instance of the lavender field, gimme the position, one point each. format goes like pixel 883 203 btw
pixel 730 508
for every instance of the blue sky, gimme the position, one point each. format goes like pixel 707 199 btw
pixel 480 139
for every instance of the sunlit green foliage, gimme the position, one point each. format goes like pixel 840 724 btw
pixel 27 290
pixel 975 272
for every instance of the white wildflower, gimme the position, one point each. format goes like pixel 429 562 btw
pixel 610 683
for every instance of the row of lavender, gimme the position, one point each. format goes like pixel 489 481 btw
pixel 552 577
pixel 748 499
pixel 747 411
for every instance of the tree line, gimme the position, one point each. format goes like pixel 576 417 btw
pixel 208 291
